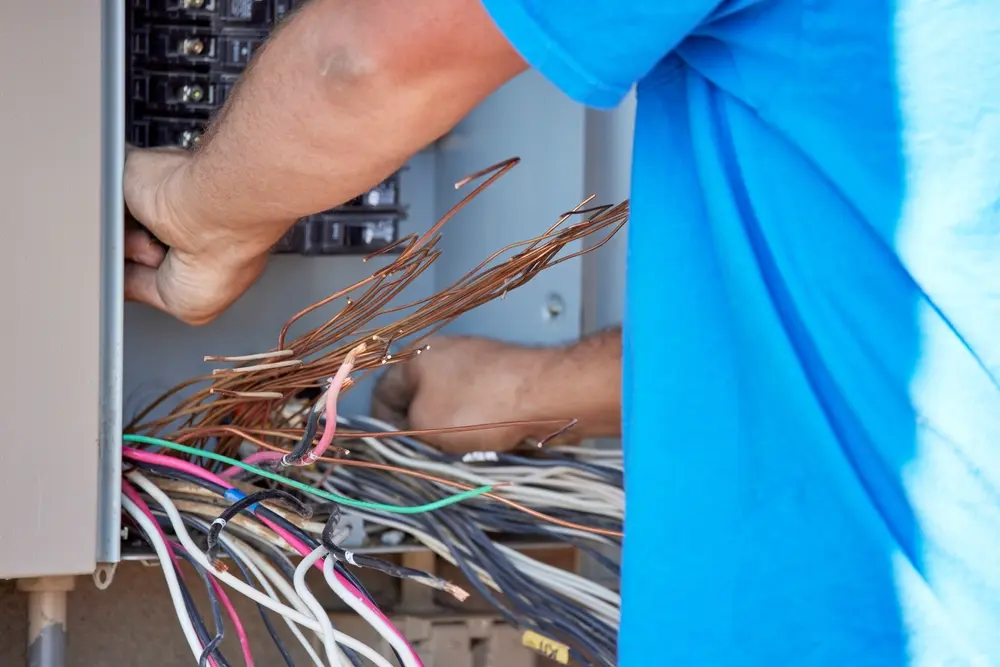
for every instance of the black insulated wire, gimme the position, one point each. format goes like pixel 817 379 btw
pixel 302 447
pixel 203 528
pixel 244 504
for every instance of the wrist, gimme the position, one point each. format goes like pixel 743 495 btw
pixel 188 201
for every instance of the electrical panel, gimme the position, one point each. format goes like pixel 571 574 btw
pixel 184 58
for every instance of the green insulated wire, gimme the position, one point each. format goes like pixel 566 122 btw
pixel 295 484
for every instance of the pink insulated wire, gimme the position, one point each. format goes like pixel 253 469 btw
pixel 254 459
pixel 303 550
pixel 294 542
pixel 133 494
pixel 175 463
pixel 330 428
pixel 235 618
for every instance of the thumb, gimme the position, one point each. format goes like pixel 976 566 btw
pixel 394 393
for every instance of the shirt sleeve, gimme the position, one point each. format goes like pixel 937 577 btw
pixel 595 50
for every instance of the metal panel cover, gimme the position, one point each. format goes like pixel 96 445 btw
pixel 50 284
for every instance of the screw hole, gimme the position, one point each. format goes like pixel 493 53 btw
pixel 103 575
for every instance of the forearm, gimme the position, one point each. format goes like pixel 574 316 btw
pixel 340 97
pixel 583 382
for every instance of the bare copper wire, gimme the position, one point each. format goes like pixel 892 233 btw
pixel 400 471
pixel 251 393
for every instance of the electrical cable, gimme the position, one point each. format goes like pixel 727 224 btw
pixel 404 652
pixel 579 494
pixel 265 575
pixel 211 649
pixel 350 502
pixel 246 390
pixel 553 602
pixel 384 566
pixel 247 502
pixel 329 639
pixel 300 616
pixel 182 534
pixel 152 535
pixel 525 612
pixel 261 514
pixel 203 528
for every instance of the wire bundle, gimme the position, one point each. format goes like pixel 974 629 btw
pixel 251 394
pixel 182 500
pixel 579 490
pixel 172 502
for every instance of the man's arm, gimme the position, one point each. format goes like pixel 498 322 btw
pixel 341 96
pixel 465 381
pixel 582 381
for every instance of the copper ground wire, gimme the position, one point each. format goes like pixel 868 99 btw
pixel 251 393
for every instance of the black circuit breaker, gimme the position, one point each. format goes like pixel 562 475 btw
pixel 184 58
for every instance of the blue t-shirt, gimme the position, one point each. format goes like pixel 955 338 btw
pixel 812 326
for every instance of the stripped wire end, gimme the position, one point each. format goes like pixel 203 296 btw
pixel 219 566
pixel 249 357
pixel 456 592
pixel 252 395
pixel 552 436
pixel 336 383
pixel 360 348
pixel 451 589
pixel 258 367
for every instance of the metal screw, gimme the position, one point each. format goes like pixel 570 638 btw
pixel 190 138
pixel 554 307
pixel 194 4
pixel 192 94
pixel 193 46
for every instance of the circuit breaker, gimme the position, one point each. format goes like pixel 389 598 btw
pixel 184 58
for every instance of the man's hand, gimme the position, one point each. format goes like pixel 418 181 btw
pixel 204 267
pixel 340 97
pixel 463 381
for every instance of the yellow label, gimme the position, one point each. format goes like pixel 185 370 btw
pixel 549 648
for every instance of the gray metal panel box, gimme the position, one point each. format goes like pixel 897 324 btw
pixel 54 247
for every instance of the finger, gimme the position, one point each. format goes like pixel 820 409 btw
pixel 142 248
pixel 140 285
pixel 393 394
